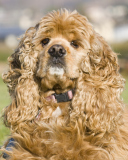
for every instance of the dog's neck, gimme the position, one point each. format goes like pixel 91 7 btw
pixel 61 103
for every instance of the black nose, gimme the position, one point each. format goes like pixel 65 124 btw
pixel 57 51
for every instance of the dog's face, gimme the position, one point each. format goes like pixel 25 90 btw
pixel 62 41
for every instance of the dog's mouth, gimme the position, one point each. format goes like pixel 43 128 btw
pixel 56 61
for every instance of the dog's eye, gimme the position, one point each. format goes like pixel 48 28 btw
pixel 45 41
pixel 75 44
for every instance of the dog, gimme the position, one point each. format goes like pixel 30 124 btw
pixel 65 86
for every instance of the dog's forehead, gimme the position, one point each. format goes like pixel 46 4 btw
pixel 71 26
pixel 59 24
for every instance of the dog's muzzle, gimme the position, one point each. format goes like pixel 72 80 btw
pixel 56 52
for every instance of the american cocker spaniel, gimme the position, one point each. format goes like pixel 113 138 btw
pixel 65 86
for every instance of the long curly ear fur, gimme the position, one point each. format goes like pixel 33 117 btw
pixel 99 88
pixel 21 82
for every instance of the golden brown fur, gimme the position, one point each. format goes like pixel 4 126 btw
pixel 94 125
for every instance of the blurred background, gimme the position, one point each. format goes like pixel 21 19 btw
pixel 109 18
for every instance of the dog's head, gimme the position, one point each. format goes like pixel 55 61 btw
pixel 60 47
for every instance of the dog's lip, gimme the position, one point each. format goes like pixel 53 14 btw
pixel 72 78
pixel 56 61
pixel 57 64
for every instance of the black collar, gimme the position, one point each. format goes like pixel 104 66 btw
pixel 64 97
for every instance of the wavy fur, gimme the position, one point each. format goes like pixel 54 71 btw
pixel 94 124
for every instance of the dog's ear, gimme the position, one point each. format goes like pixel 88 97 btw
pixel 21 82
pixel 101 60
pixel 99 88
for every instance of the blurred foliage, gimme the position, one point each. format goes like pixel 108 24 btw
pixel 4 101
pixel 124 95
pixel 5 52
pixel 121 48
pixel 4 56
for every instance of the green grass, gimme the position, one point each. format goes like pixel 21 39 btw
pixel 121 48
pixel 4 101
pixel 125 92
pixel 4 55
pixel 5 52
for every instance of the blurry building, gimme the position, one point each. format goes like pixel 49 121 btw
pixel 109 18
